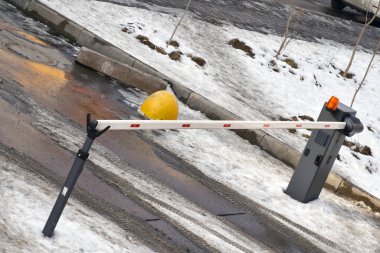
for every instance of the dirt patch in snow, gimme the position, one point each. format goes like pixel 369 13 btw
pixel 348 75
pixel 198 60
pixel 341 72
pixel 238 44
pixel 306 118
pixel 356 147
pixel 173 43
pixel 175 55
pixel 291 63
pixel 364 150
pixel 145 40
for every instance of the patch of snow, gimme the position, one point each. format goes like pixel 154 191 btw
pixel 245 86
pixel 26 202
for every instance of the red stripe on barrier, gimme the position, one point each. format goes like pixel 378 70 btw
pixel 186 125
pixel 227 125
pixel 299 125
pixel 266 125
pixel 327 125
pixel 135 125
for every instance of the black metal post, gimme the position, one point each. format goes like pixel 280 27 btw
pixel 73 176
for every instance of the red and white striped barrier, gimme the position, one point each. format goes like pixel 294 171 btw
pixel 117 125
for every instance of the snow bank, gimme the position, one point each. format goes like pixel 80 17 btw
pixel 26 201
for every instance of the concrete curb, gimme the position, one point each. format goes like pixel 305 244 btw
pixel 354 192
pixel 120 71
pixel 270 144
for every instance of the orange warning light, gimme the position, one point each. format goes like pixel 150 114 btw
pixel 333 103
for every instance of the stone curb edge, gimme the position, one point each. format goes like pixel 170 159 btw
pixel 290 156
pixel 122 72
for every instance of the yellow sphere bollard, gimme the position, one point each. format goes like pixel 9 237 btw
pixel 161 105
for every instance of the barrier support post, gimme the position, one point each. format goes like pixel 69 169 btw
pixel 72 177
pixel 321 152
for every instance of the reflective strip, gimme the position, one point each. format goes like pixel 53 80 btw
pixel 64 191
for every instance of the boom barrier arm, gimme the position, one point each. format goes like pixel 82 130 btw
pixel 119 125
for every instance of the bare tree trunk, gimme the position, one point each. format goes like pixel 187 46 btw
pixel 286 34
pixel 179 23
pixel 365 27
pixel 366 73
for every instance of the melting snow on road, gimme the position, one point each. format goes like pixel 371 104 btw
pixel 26 201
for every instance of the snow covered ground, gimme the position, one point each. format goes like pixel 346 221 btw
pixel 26 201
pixel 248 87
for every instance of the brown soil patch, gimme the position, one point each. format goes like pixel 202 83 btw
pixel 161 50
pixel 365 150
pixel 236 43
pixel 145 40
pixel 348 76
pixel 305 117
pixel 198 60
pixel 348 143
pixel 175 55
pixel 173 43
pixel 291 63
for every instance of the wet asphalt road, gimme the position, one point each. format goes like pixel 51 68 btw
pixel 270 16
pixel 39 76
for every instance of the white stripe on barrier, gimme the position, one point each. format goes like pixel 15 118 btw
pixel 201 124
